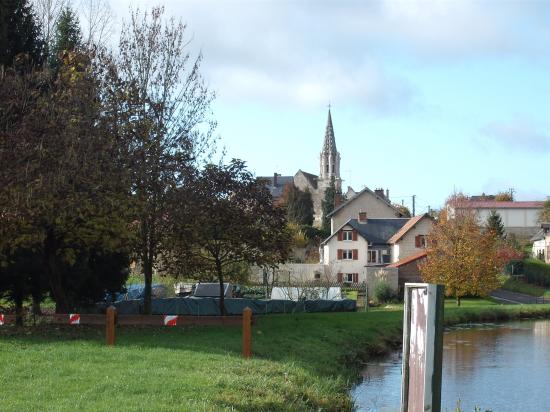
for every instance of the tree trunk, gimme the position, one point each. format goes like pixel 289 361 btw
pixel 222 291
pixel 55 279
pixel 458 301
pixel 147 267
pixel 36 309
pixel 18 311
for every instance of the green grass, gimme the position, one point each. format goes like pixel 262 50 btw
pixel 301 362
pixel 516 285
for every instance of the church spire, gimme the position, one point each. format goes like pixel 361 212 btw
pixel 330 141
pixel 330 158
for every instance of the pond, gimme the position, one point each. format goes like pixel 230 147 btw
pixel 499 367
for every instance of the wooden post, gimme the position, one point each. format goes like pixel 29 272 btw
pixel 110 325
pixel 422 348
pixel 247 332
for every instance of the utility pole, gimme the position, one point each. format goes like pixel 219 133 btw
pixel 414 205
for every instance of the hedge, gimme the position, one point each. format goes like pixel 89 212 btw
pixel 536 272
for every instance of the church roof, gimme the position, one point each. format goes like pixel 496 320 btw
pixel 330 141
pixel 311 178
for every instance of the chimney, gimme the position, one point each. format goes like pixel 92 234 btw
pixel 388 195
pixel 362 217
pixel 380 193
pixel 337 200
pixel 275 179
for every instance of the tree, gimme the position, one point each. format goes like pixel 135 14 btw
pixel 505 196
pixel 233 220
pixel 63 189
pixel 67 37
pixel 19 32
pixel 298 205
pixel 495 225
pixel 161 108
pixel 461 256
pixel 97 22
pixel 328 205
pixel 404 210
pixel 544 214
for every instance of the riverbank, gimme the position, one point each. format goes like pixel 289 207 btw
pixel 301 362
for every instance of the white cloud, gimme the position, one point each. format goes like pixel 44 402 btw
pixel 309 52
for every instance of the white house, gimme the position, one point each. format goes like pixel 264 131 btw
pixel 520 218
pixel 541 243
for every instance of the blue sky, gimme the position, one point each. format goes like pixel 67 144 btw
pixel 427 97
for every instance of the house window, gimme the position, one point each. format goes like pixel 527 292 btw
pixel 372 256
pixel 347 254
pixel 347 235
pixel 420 241
pixel 348 278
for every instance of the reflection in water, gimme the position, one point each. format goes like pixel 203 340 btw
pixel 503 367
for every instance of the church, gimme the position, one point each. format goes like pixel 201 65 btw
pixel 329 167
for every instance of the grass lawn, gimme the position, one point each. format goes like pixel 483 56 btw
pixel 517 285
pixel 301 362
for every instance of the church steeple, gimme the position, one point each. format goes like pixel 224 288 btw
pixel 330 158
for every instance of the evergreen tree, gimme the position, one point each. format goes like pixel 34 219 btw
pixel 68 36
pixel 328 205
pixel 299 205
pixel 19 32
pixel 495 225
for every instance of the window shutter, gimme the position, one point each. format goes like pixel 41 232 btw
pixel 339 278
pixel 356 278
pixel 340 235
pixel 354 235
pixel 417 241
pixel 339 254
pixel 355 254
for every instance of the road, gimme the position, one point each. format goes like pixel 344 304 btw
pixel 515 298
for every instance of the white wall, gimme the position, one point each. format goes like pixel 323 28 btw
pixel 406 245
pixel 330 255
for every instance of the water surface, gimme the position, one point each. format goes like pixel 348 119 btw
pixel 501 367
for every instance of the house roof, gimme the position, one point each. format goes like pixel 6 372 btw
pixel 540 235
pixel 493 204
pixel 408 259
pixel 375 231
pixel 358 195
pixel 408 226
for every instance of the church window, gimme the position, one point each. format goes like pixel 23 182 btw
pixel 326 168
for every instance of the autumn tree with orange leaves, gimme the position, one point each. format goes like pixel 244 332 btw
pixel 460 254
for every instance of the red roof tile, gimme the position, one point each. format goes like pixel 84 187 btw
pixel 408 226
pixel 493 204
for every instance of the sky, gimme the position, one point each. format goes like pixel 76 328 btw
pixel 428 97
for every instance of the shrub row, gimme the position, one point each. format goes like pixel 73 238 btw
pixel 536 272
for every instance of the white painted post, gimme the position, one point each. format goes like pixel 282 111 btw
pixel 422 348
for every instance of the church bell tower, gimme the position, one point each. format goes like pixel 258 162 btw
pixel 330 158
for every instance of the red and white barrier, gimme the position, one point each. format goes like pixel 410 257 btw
pixel 1 319
pixel 74 319
pixel 170 320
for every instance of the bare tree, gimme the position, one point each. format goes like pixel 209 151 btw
pixel 162 111
pixel 47 13
pixel 96 20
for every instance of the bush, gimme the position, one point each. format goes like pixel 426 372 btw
pixel 383 292
pixel 536 272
